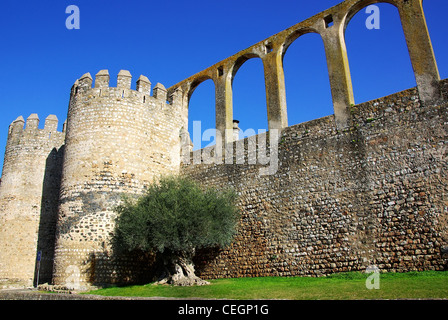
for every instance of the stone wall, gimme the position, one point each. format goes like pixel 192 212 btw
pixel 118 140
pixel 28 199
pixel 373 194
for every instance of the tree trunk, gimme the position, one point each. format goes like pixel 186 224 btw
pixel 177 268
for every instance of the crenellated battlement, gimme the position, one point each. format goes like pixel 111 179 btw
pixel 26 133
pixel 31 126
pixel 100 87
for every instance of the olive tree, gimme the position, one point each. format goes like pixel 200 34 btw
pixel 174 219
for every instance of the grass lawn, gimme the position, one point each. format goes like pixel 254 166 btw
pixel 343 286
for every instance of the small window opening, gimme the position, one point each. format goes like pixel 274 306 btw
pixel 220 71
pixel 144 99
pixel 328 21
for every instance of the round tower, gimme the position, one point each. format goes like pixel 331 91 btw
pixel 28 200
pixel 118 140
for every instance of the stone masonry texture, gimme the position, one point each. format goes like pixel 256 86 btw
pixel 28 198
pixel 373 194
pixel 364 187
pixel 118 141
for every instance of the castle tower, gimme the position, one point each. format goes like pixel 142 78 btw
pixel 28 200
pixel 118 141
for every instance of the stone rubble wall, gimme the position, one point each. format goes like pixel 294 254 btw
pixel 28 199
pixel 373 194
pixel 118 141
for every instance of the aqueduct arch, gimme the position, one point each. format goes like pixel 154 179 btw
pixel 330 24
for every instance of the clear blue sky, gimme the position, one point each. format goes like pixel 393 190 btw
pixel 170 40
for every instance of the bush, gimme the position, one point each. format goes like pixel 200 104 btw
pixel 174 219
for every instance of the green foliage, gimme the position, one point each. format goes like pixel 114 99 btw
pixel 176 215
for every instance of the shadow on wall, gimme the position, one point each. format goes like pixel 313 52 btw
pixel 107 268
pixel 132 268
pixel 48 217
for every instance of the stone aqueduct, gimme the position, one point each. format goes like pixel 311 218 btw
pixel 365 186
pixel 330 25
